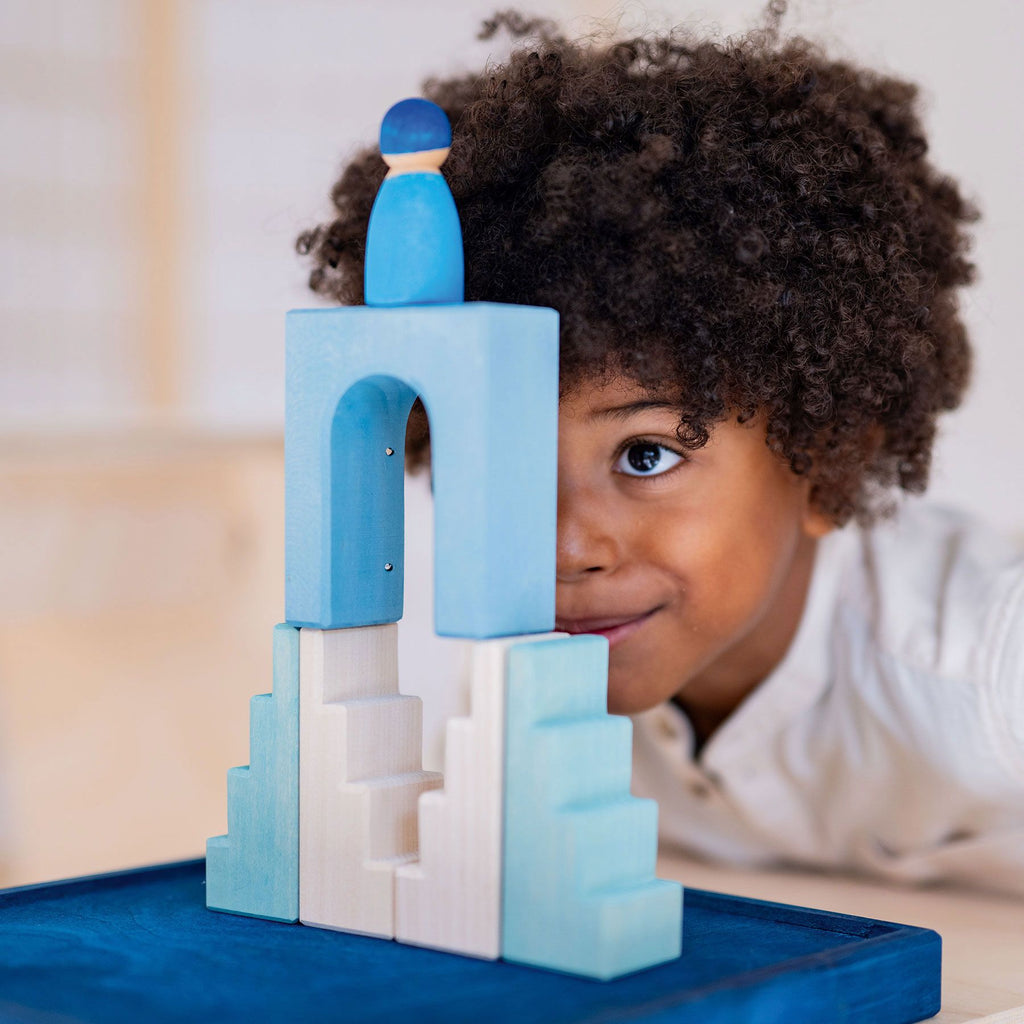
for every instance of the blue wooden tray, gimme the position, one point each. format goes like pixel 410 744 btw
pixel 140 947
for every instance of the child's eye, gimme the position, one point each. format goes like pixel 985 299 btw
pixel 645 458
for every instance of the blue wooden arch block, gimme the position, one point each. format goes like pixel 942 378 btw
pixel 488 376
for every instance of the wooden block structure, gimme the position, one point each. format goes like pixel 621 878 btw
pixel 533 850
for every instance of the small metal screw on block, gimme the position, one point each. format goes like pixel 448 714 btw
pixel 389 451
pixel 388 567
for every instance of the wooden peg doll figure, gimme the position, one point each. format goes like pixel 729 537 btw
pixel 414 242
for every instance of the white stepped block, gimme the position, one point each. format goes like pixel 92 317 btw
pixel 359 778
pixel 451 897
pixel 391 804
pixel 380 735
pixel 350 663
pixel 432 827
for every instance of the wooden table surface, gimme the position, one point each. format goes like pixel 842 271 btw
pixel 982 933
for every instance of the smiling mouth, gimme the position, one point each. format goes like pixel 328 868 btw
pixel 614 629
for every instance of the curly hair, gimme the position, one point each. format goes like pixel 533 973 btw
pixel 746 225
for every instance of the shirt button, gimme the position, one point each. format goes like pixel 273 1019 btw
pixel 668 729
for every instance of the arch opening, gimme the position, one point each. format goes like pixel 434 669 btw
pixel 365 502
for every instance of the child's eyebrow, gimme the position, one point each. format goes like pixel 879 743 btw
pixel 622 412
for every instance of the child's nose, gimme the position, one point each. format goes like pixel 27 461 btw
pixel 586 544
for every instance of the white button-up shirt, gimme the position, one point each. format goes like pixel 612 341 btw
pixel 890 739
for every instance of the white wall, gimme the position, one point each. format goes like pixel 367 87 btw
pixel 69 203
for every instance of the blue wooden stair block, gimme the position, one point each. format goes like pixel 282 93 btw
pixel 579 890
pixel 254 869
pixel 488 376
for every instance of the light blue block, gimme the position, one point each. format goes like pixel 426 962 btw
pixel 579 888
pixel 584 741
pixel 488 376
pixel 254 869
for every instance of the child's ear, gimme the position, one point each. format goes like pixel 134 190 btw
pixel 815 523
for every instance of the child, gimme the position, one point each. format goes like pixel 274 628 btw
pixel 755 267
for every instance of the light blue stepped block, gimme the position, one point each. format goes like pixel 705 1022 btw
pixel 584 741
pixel 579 889
pixel 488 376
pixel 632 821
pixel 254 869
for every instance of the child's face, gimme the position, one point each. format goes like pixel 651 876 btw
pixel 695 566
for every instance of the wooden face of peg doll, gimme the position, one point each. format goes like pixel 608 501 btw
pixel 695 565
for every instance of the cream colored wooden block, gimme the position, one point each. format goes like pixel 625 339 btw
pixel 360 744
pixel 451 897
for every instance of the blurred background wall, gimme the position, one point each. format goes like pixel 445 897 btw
pixel 159 158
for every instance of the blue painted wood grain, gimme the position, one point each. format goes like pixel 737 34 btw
pixel 579 888
pixel 139 946
pixel 254 869
pixel 413 243
pixel 488 376
pixel 414 125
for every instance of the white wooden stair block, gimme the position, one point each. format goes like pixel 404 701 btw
pixel 451 897
pixel 360 749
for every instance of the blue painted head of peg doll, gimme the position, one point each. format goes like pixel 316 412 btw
pixel 414 239
pixel 413 126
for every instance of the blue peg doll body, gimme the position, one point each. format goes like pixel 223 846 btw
pixel 414 241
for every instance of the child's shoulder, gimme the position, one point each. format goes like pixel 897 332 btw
pixel 937 585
